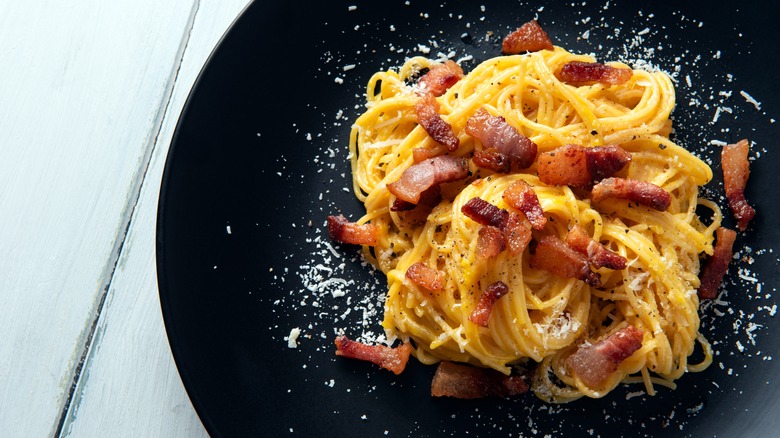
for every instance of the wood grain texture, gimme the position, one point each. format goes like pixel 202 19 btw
pixel 80 87
pixel 130 385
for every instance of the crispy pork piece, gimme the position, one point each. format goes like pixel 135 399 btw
pixel 426 277
pixel 481 314
pixel 493 160
pixel 498 135
pixel 428 198
pixel 521 196
pixel 578 72
pixel 593 363
pixel 598 255
pixel 427 109
pixel 423 153
pixel 468 382
pixel 514 235
pixel 736 169
pixel 429 173
pixel 485 213
pixel 392 359
pixel 580 166
pixel 440 78
pixel 553 255
pixel 340 229
pixel 641 192
pixel 530 37
pixel 517 233
pixel 718 264
pixel 490 242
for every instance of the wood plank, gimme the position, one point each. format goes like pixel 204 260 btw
pixel 80 87
pixel 130 385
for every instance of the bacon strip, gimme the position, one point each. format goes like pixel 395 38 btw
pixel 578 166
pixel 514 235
pixel 485 213
pixel 521 195
pixel 416 215
pixel 577 72
pixel 342 230
pixel 530 37
pixel 718 264
pixel 468 382
pixel 492 159
pixel 426 174
pixel 490 242
pixel 736 170
pixel 598 255
pixel 421 154
pixel 428 198
pixel 481 314
pixel 441 77
pixel 495 133
pixel 426 277
pixel 392 359
pixel 517 233
pixel 427 109
pixel 593 363
pixel 552 255
pixel 641 192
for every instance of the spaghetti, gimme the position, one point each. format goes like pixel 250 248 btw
pixel 544 317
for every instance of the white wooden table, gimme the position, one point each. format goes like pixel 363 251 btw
pixel 90 93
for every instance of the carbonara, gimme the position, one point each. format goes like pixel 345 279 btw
pixel 544 317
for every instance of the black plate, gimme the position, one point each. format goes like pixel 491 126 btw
pixel 259 159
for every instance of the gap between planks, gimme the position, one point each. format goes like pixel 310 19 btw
pixel 127 217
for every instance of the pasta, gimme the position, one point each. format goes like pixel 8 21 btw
pixel 544 317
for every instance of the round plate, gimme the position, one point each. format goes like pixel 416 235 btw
pixel 259 159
